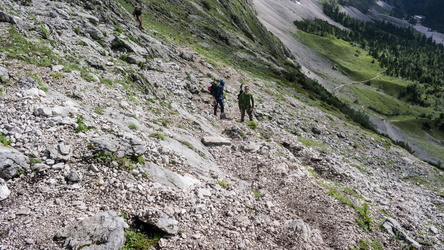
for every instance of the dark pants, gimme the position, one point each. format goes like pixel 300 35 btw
pixel 221 103
pixel 249 112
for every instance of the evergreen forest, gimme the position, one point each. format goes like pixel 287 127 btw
pixel 402 52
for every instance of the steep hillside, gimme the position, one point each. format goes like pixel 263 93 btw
pixel 339 68
pixel 107 134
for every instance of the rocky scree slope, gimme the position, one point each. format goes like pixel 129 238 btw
pixel 130 132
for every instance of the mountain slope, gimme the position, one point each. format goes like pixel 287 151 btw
pixel 97 115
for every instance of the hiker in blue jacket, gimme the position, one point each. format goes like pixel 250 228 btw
pixel 219 98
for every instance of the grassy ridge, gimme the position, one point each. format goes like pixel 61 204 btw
pixel 350 59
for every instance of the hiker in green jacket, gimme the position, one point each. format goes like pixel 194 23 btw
pixel 246 103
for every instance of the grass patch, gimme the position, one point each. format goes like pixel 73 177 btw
pixel 423 139
pixel 36 53
pixel 190 146
pixel 351 60
pixel 252 125
pixel 223 184
pixel 107 82
pixel 369 245
pixel 133 126
pixel 257 194
pixel 81 125
pixel 99 110
pixel 308 142
pixel 5 141
pixel 56 75
pixel 365 219
pixel 139 241
pixel 158 135
pixel 384 104
pixel 33 161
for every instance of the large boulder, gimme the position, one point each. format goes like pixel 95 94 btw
pixel 161 221
pixel 102 231
pixel 12 162
pixel 124 42
pixel 93 31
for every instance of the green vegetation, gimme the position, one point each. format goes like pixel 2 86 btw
pixel 223 184
pixel 33 161
pixel 252 125
pixel 107 82
pixel 190 146
pixel 402 52
pixel 403 65
pixel 99 110
pixel 139 241
pixel 365 219
pixel 158 135
pixel 133 126
pixel 257 194
pixel 118 29
pixel 36 53
pixel 88 77
pixel 77 30
pixel 56 75
pixel 5 141
pixel 309 142
pixel 44 31
pixel 81 126
pixel 369 245
pixel 128 162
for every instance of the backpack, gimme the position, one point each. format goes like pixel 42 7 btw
pixel 137 11
pixel 240 92
pixel 213 89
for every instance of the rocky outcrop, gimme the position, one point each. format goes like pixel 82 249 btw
pixel 102 231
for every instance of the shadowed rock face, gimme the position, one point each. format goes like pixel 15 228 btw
pixel 141 140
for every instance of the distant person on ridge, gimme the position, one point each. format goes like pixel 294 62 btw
pixel 219 99
pixel 246 103
pixel 137 13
